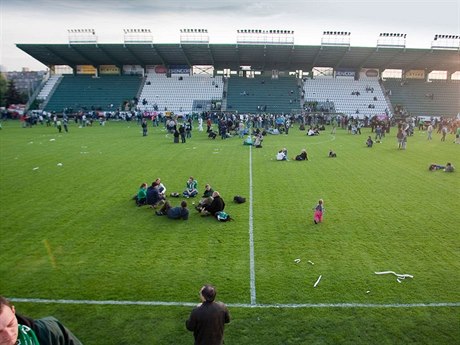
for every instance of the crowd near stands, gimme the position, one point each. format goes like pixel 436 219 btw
pixel 160 94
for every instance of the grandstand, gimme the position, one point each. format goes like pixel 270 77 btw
pixel 421 98
pixel 93 93
pixel 351 97
pixel 238 78
pixel 180 93
pixel 252 95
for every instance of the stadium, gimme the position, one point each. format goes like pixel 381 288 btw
pixel 75 246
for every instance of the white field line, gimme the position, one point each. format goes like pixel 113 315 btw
pixel 252 280
pixel 238 305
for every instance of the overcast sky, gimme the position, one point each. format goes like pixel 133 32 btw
pixel 47 21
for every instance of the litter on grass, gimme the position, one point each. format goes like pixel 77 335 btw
pixel 297 261
pixel 310 262
pixel 52 139
pixel 59 164
pixel 399 276
pixel 36 168
pixel 317 282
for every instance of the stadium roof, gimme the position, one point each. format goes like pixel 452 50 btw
pixel 259 57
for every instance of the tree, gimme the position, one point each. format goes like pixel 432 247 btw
pixel 12 95
pixel 3 88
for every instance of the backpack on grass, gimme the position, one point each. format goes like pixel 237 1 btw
pixel 223 216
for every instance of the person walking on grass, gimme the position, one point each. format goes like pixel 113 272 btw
pixel 207 320
pixel 319 209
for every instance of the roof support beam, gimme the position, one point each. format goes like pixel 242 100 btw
pixel 134 55
pixel 163 62
pixel 111 57
pixel 185 55
pixel 94 63
pixel 52 51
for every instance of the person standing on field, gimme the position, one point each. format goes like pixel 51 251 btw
pixel 207 320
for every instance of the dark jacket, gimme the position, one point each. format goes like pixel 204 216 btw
pixel 153 195
pixel 207 322
pixel 49 331
pixel 216 205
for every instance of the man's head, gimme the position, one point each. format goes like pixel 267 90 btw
pixel 8 323
pixel 215 194
pixel 208 293
pixel 183 204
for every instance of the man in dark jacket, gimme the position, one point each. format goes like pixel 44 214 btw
pixel 207 319
pixel 154 198
pixel 17 329
pixel 215 206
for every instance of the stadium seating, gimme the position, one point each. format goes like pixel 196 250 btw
pixel 180 93
pixel 342 92
pixel 421 98
pixel 48 87
pixel 87 92
pixel 263 94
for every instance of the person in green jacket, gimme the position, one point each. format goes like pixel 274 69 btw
pixel 18 329
pixel 141 196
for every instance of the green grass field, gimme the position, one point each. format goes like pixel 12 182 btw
pixel 72 232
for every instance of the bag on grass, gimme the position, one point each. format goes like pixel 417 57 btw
pixel 239 199
pixel 223 216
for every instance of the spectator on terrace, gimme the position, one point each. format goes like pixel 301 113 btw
pixel 179 212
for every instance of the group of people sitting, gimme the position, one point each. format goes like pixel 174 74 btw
pixel 447 168
pixel 210 204
pixel 282 155
pixel 153 195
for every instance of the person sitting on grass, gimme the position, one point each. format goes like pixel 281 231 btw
pixel 369 141
pixel 161 187
pixel 434 167
pixel 178 212
pixel 206 198
pixel 302 156
pixel 282 155
pixel 258 141
pixel 332 154
pixel 449 168
pixel 216 205
pixel 141 196
pixel 154 198
pixel 191 188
